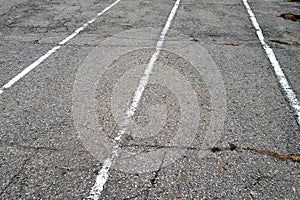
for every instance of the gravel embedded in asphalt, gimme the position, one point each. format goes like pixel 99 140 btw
pixel 41 154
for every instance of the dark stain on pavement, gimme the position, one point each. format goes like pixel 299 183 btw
pixel 284 157
pixel 289 157
pixel 290 16
pixel 281 42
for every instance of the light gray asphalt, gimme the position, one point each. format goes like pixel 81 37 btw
pixel 41 156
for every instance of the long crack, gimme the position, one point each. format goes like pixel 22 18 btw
pixel 231 147
pixel 284 157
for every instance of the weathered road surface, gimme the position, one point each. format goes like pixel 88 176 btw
pixel 230 142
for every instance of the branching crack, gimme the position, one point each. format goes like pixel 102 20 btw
pixel 15 176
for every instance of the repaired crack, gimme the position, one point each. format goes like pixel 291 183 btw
pixel 285 157
pixel 279 156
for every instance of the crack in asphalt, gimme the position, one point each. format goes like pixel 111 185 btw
pixel 231 147
pixel 37 148
pixel 17 13
pixel 163 146
pixel 15 176
pixel 279 156
pixel 153 182
pixel 257 181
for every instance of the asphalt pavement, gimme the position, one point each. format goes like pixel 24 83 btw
pixel 211 121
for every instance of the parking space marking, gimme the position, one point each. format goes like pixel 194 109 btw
pixel 284 84
pixel 103 174
pixel 76 32
pixel 53 50
pixel 29 68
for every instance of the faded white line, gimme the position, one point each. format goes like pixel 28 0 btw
pixel 89 22
pixel 103 174
pixel 53 50
pixel 284 84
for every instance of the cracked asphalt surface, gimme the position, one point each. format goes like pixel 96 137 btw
pixel 41 156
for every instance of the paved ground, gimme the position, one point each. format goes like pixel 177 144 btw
pixel 45 156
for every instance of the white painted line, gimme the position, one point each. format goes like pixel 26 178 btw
pixel 53 50
pixel 284 84
pixel 68 38
pixel 29 68
pixel 89 22
pixel 103 174
pixel 92 20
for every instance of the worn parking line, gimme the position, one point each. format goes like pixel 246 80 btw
pixel 53 50
pixel 103 174
pixel 284 84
